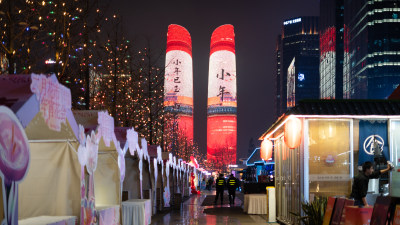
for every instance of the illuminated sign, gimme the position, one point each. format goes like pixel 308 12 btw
pixel 50 61
pixel 221 107
pixel 297 20
pixel 372 143
pixel 301 77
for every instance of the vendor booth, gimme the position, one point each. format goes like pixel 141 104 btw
pixel 319 146
pixel 137 207
pixel 50 192
pixel 103 176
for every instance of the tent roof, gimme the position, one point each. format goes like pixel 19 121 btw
pixel 120 134
pixel 89 120
pixel 152 150
pixel 15 93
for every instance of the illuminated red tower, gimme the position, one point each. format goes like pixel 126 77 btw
pixel 221 106
pixel 178 83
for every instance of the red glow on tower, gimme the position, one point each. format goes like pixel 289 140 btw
pixel 223 38
pixel 178 83
pixel 221 110
pixel 178 38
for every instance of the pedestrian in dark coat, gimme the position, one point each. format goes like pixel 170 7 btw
pixel 220 184
pixel 232 184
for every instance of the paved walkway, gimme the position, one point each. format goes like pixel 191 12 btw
pixel 192 212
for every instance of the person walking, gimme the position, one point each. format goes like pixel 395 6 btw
pixel 232 185
pixel 209 183
pixel 203 184
pixel 220 184
pixel 360 184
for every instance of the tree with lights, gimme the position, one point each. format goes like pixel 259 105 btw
pixel 52 36
pixel 177 142
pixel 222 158
pixel 148 77
pixel 129 83
pixel 111 80
pixel 19 22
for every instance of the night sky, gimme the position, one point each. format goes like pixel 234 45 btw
pixel 257 24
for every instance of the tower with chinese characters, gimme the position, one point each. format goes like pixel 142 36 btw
pixel 221 106
pixel 178 83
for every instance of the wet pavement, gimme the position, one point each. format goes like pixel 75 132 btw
pixel 192 213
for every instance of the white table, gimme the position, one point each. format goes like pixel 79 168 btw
pixel 49 220
pixel 255 203
pixel 108 214
pixel 136 211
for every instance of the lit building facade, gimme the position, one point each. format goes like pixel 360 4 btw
pixel 372 48
pixel 221 106
pixel 302 80
pixel 277 78
pixel 178 83
pixel 331 48
pixel 299 39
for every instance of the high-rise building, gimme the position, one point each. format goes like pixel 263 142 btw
pixel 372 48
pixel 221 105
pixel 178 83
pixel 277 78
pixel 299 40
pixel 331 48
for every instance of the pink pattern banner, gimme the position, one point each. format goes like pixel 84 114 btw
pixel 54 99
pixel 70 221
pixel 106 127
pixel 14 162
pixel 109 216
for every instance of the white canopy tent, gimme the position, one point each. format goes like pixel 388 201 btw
pixel 43 106
pixel 107 174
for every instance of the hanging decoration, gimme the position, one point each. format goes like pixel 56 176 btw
pixel 293 132
pixel 266 149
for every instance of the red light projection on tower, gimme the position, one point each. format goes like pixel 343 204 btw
pixel 327 44
pixel 178 84
pixel 221 107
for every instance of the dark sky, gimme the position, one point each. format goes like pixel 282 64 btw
pixel 257 24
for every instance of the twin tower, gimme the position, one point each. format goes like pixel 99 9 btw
pixel 222 103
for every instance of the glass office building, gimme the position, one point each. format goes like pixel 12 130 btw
pixel 299 39
pixel 371 48
pixel 331 48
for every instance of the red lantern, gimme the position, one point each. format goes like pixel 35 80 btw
pixel 266 149
pixel 293 132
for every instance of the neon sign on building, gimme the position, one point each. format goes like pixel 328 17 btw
pixel 221 106
pixel 297 20
pixel 178 84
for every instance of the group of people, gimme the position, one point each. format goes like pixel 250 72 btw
pixel 231 184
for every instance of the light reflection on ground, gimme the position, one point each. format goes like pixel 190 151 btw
pixel 192 213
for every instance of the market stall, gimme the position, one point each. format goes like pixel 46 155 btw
pixel 132 183
pixel 103 177
pixel 137 209
pixel 319 146
pixel 51 185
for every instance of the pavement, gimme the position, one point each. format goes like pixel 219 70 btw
pixel 191 212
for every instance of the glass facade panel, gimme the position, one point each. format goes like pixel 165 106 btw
pixel 287 184
pixel 395 152
pixel 329 161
